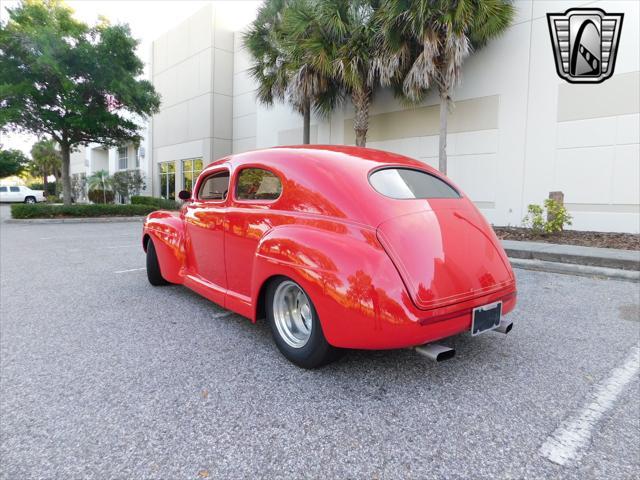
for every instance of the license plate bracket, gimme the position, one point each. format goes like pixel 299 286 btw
pixel 486 318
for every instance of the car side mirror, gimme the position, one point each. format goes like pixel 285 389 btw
pixel 184 195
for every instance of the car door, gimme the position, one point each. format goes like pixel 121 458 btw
pixel 15 195
pixel 204 219
pixel 256 190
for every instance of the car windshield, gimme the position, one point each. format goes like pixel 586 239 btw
pixel 407 183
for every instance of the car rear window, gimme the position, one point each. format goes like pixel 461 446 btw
pixel 407 183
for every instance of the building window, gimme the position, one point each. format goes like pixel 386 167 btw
pixel 168 180
pixel 123 158
pixel 138 156
pixel 190 170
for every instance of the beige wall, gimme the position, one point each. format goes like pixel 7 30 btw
pixel 192 69
pixel 517 131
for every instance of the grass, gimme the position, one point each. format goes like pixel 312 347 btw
pixel 43 210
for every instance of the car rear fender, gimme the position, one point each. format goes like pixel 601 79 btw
pixel 346 272
pixel 166 229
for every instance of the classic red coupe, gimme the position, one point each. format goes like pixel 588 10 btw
pixel 338 247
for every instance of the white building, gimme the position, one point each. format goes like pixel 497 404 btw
pixel 95 157
pixel 517 132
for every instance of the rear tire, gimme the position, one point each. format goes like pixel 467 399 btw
pixel 30 199
pixel 153 267
pixel 296 326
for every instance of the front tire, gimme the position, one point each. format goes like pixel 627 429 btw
pixel 153 266
pixel 296 326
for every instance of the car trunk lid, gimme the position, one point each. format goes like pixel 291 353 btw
pixel 446 254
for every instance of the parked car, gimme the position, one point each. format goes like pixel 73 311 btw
pixel 21 194
pixel 338 247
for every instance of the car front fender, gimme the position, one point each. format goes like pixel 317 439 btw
pixel 166 229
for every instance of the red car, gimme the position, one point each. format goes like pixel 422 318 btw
pixel 338 247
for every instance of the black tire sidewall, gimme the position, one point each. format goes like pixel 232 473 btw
pixel 153 266
pixel 317 351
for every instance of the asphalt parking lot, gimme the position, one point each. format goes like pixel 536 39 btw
pixel 103 376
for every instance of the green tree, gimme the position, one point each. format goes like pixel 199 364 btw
pixel 100 180
pixel 127 183
pixel 281 74
pixel 71 82
pixel 45 160
pixel 12 162
pixel 338 39
pixel 424 44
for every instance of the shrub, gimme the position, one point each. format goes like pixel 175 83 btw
pixel 544 222
pixel 160 203
pixel 99 196
pixel 43 210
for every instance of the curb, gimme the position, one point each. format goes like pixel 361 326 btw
pixel 75 220
pixel 574 269
pixel 572 254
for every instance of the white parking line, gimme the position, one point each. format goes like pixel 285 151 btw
pixel 90 237
pixel 565 444
pixel 131 270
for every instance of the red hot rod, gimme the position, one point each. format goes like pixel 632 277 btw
pixel 338 247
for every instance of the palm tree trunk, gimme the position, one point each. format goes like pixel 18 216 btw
pixel 361 100
pixel 306 123
pixel 65 150
pixel 442 153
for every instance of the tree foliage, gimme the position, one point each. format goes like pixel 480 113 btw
pixel 424 45
pixel 127 183
pixel 45 160
pixel 338 39
pixel 100 181
pixel 71 82
pixel 12 162
pixel 280 73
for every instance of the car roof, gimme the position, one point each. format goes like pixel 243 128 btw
pixel 330 180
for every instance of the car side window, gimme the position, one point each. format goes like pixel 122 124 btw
pixel 14 189
pixel 214 187
pixel 3 189
pixel 258 184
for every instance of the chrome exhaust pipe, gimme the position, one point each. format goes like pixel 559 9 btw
pixel 504 327
pixel 435 352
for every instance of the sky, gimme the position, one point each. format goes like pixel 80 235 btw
pixel 147 20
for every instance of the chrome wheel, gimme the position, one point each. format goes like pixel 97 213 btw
pixel 292 314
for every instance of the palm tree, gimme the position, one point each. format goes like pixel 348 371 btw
pixel 279 74
pixel 424 44
pixel 100 180
pixel 45 160
pixel 338 39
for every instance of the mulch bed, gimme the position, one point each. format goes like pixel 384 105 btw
pixel 625 241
